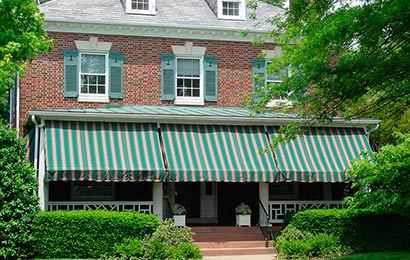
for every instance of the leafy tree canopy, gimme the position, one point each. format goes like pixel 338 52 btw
pixel 348 58
pixel 384 183
pixel 21 38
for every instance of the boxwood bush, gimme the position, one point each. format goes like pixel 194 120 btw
pixel 360 230
pixel 87 234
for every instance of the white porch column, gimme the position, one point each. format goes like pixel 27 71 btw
pixel 42 187
pixel 157 199
pixel 264 197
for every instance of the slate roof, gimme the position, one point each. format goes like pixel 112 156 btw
pixel 189 13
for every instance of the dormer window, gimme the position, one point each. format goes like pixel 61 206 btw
pixel 231 9
pixel 140 6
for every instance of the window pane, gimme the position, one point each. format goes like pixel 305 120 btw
pixel 230 8
pixel 277 77
pixel 140 4
pixel 188 67
pixel 92 63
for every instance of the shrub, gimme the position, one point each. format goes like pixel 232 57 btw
pixel 129 249
pixel 296 244
pixel 170 242
pixel 18 202
pixel 186 251
pixel 87 234
pixel 359 230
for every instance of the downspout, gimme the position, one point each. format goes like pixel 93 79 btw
pixel 18 102
pixel 33 119
pixel 42 188
pixel 372 130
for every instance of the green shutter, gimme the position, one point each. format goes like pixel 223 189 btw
pixel 258 76
pixel 116 61
pixel 168 77
pixel 71 72
pixel 211 78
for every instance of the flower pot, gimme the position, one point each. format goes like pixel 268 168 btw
pixel 243 220
pixel 179 220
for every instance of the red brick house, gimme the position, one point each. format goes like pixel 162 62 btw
pixel 140 106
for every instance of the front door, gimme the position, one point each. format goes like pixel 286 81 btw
pixel 208 202
pixel 199 199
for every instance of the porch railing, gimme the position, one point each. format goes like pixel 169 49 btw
pixel 278 209
pixel 141 206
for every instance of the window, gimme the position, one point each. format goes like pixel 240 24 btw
pixel 140 6
pixel 188 78
pixel 189 81
pixel 93 78
pixel 261 78
pixel 283 191
pixel 87 190
pixel 231 9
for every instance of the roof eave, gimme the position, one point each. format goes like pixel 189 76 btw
pixel 155 30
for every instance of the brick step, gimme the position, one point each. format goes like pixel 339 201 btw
pixel 209 237
pixel 232 244
pixel 234 248
pixel 219 234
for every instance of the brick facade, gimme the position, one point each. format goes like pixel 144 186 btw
pixel 42 86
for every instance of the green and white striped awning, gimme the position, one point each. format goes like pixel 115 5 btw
pixel 217 153
pixel 102 151
pixel 320 154
pixel 117 151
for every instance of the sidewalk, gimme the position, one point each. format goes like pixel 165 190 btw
pixel 242 257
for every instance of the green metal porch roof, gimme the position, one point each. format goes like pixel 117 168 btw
pixel 185 115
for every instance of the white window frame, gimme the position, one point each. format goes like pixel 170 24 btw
pixel 181 100
pixel 86 97
pixel 242 10
pixel 150 11
pixel 281 101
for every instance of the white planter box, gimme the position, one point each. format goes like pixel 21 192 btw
pixel 179 220
pixel 243 220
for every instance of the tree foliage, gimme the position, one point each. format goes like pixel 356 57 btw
pixel 383 183
pixel 21 38
pixel 348 58
pixel 19 204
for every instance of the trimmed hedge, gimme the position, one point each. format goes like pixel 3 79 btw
pixel 360 230
pixel 87 234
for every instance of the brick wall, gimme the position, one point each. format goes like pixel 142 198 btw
pixel 42 85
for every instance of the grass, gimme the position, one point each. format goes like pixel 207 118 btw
pixel 378 256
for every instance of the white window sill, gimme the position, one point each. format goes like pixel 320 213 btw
pixel 279 103
pixel 231 17
pixel 189 102
pixel 93 99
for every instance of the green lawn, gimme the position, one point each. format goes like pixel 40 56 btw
pixel 378 256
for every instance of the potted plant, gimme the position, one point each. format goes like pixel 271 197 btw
pixel 243 215
pixel 179 214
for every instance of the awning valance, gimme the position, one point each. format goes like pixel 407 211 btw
pixel 217 153
pixel 102 151
pixel 320 154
